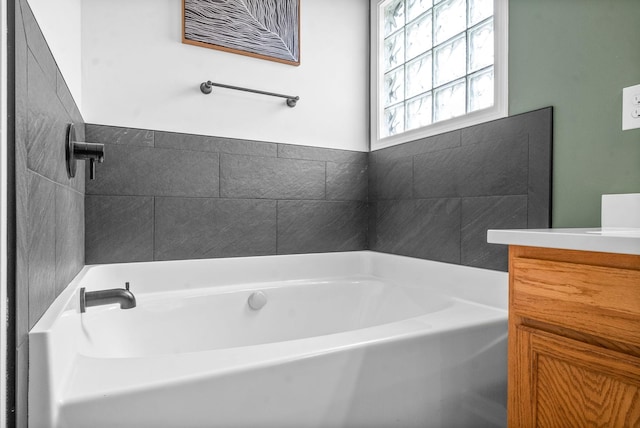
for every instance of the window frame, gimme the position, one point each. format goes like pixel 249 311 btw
pixel 501 88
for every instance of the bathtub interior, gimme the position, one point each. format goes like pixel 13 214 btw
pixel 376 295
pixel 221 318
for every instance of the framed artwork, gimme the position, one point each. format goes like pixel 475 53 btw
pixel 267 29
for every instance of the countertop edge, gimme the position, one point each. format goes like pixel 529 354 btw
pixel 590 239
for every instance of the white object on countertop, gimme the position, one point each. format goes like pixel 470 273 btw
pixel 621 212
pixel 618 241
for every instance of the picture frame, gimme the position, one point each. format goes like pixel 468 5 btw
pixel 265 29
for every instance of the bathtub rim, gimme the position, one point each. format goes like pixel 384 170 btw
pixel 368 259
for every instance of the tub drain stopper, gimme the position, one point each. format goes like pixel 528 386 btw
pixel 257 300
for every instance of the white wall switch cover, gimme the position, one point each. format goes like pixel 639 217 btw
pixel 621 211
pixel 631 107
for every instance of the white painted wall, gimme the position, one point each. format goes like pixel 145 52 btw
pixel 59 21
pixel 136 72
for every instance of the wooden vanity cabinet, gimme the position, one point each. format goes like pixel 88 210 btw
pixel 574 338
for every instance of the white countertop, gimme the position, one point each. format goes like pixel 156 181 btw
pixel 607 241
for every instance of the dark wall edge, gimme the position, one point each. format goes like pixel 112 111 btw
pixel 10 375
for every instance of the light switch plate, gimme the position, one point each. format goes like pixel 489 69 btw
pixel 631 107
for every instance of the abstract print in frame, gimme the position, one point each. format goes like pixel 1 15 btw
pixel 267 29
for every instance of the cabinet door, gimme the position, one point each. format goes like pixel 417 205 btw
pixel 559 382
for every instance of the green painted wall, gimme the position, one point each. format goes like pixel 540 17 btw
pixel 577 55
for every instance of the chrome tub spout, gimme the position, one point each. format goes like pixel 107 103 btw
pixel 123 296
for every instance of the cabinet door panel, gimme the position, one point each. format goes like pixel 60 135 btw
pixel 577 385
pixel 569 395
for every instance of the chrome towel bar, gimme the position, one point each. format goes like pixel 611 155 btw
pixel 206 88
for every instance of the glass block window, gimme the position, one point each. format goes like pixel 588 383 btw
pixel 435 62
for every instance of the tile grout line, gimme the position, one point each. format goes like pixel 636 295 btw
pixel 413 177
pixel 55 246
pixel 44 177
pixel 530 179
pixel 460 236
pixel 226 198
pixel 153 230
pixel 325 181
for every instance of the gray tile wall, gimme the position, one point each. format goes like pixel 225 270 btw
pixel 436 197
pixel 166 196
pixel 49 205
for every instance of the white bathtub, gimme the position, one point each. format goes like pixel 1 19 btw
pixel 357 339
